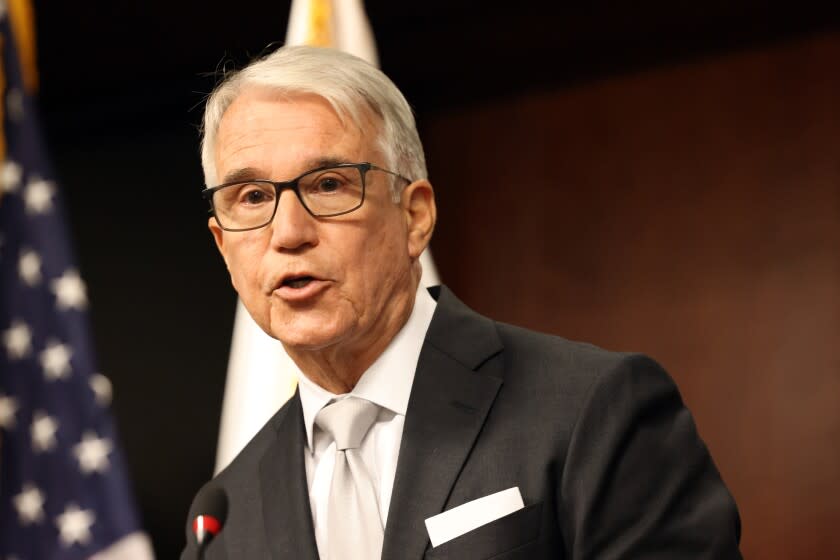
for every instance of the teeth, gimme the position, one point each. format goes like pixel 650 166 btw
pixel 298 282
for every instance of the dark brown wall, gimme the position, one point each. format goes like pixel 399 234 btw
pixel 692 213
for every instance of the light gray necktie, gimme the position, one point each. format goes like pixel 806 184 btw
pixel 354 526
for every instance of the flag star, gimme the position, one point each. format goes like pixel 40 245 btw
pixel 18 340
pixel 101 387
pixel 70 290
pixel 43 432
pixel 29 267
pixel 10 177
pixel 8 409
pixel 30 505
pixel 74 525
pixel 14 104
pixel 92 453
pixel 38 196
pixel 55 359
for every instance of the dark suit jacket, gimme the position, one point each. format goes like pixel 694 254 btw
pixel 605 454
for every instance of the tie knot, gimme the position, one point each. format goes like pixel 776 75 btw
pixel 347 421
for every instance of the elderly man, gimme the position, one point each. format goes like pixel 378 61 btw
pixel 420 429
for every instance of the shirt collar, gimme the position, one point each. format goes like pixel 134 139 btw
pixel 387 382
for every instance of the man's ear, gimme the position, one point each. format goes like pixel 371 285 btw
pixel 418 204
pixel 214 228
pixel 218 237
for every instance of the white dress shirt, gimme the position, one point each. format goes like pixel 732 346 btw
pixel 387 382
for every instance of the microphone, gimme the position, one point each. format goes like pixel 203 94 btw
pixel 211 503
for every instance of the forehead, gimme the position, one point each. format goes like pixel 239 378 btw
pixel 280 135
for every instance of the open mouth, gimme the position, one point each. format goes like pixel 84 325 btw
pixel 297 282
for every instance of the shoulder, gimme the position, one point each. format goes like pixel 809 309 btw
pixel 547 368
pixel 568 378
pixel 525 344
pixel 456 326
pixel 571 363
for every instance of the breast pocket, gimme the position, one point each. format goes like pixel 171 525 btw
pixel 497 540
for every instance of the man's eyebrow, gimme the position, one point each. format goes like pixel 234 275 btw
pixel 251 173
pixel 325 161
pixel 243 174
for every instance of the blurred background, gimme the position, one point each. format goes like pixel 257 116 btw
pixel 652 176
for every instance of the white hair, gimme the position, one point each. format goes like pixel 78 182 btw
pixel 349 84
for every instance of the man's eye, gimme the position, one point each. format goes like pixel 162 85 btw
pixel 254 195
pixel 327 185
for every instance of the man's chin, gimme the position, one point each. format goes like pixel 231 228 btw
pixel 306 338
pixel 303 329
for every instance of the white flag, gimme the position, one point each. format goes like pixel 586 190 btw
pixel 261 376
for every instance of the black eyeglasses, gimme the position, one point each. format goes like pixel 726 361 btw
pixel 324 192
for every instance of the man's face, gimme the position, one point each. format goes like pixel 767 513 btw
pixel 357 262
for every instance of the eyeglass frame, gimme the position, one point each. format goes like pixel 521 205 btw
pixel 292 184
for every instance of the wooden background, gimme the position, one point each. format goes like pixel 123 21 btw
pixel 692 213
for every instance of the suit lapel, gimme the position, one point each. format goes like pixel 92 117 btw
pixel 285 500
pixel 454 388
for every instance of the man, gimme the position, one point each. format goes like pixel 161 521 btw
pixel 410 404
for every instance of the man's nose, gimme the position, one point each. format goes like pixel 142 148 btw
pixel 293 227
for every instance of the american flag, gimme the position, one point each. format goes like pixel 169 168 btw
pixel 64 491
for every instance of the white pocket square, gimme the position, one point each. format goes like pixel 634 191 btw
pixel 455 522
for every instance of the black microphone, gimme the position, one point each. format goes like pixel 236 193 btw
pixel 211 505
